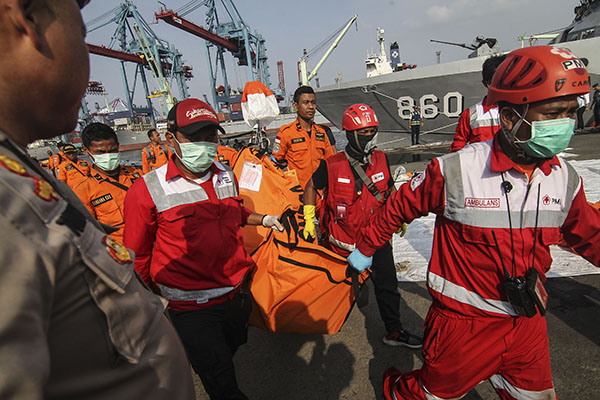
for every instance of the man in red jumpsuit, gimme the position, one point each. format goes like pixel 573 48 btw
pixel 500 205
pixel 183 222
pixel 481 121
pixel 356 183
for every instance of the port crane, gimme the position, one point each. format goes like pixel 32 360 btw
pixel 232 35
pixel 303 75
pixel 135 42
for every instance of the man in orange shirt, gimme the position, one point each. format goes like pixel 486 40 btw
pixel 73 170
pixel 103 192
pixel 50 162
pixel 154 155
pixel 226 155
pixel 303 143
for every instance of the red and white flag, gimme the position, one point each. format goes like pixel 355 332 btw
pixel 259 105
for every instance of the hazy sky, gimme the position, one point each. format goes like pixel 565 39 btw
pixel 289 27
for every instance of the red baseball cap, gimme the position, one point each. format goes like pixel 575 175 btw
pixel 190 115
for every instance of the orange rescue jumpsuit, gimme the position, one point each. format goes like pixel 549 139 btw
pixel 72 173
pixel 303 152
pixel 54 161
pixel 154 156
pixel 104 196
pixel 226 155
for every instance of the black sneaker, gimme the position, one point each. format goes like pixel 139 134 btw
pixel 403 338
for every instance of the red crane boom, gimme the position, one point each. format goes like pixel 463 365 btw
pixel 171 18
pixel 119 55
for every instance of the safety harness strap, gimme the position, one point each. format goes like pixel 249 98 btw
pixel 363 176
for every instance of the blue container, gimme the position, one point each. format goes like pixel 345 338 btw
pixel 237 116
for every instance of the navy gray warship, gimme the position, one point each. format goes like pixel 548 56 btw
pixel 443 90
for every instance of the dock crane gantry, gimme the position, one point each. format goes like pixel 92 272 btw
pixel 234 36
pixel 139 44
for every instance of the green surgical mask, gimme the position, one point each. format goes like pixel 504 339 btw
pixel 198 156
pixel 548 138
pixel 107 161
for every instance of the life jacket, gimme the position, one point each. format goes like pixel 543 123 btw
pixel 265 189
pixel 302 287
pixel 347 210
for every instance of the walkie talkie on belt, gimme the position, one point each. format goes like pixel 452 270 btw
pixel 524 293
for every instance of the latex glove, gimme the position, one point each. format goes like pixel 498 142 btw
pixel 309 233
pixel 402 230
pixel 272 221
pixel 359 261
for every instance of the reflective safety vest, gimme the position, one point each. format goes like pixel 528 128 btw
pixel 468 279
pixel 198 257
pixel 346 209
pixel 154 156
pixel 416 118
pixel 484 124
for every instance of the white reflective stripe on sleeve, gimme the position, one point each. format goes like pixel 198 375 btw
pixel 342 245
pixel 430 396
pixel 499 382
pixel 459 293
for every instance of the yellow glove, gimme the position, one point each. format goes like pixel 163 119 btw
pixel 402 230
pixel 309 222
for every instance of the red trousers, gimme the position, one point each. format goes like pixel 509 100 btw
pixel 460 352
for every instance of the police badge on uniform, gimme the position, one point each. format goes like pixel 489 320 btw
pixel 117 250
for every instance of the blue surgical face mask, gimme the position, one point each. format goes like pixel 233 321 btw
pixel 107 161
pixel 198 156
pixel 548 138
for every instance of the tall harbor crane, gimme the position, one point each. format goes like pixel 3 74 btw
pixel 303 74
pixel 134 41
pixel 231 35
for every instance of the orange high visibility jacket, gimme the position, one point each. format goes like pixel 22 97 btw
pixel 104 196
pixel 226 155
pixel 54 161
pixel 154 156
pixel 73 173
pixel 303 152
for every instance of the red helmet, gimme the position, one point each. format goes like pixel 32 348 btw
pixel 538 73
pixel 359 116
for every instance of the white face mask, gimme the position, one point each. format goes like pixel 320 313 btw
pixel 198 156
pixel 107 161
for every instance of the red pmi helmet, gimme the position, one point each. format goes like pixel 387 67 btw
pixel 538 73
pixel 359 116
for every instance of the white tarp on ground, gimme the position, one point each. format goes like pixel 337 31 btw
pixel 413 251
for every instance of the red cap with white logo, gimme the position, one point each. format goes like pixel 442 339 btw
pixel 190 115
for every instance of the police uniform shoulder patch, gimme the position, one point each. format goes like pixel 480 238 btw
pixel 43 189
pixel 298 140
pixel 12 165
pixel 117 250
pixel 101 200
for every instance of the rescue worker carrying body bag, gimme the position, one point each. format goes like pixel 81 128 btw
pixel 298 287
